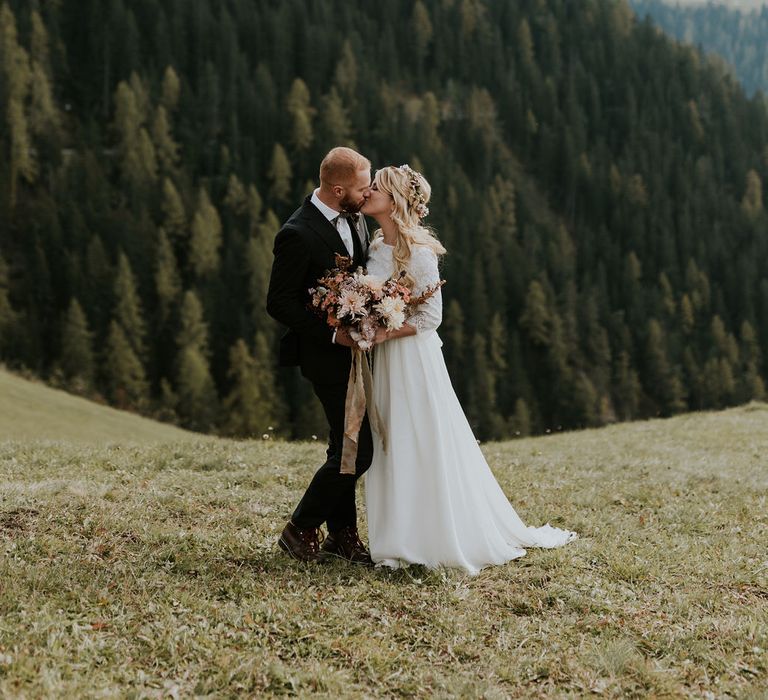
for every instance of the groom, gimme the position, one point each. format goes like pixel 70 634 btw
pixel 327 223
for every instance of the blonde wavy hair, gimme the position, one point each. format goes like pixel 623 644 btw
pixel 410 193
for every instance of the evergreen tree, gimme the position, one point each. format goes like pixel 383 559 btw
pixel 453 330
pixel 137 153
pixel 497 357
pixel 124 374
pixel 17 76
pixel 245 408
pixel 345 76
pixel 165 147
pixel 167 279
pixel 695 380
pixel 237 196
pixel 43 114
pixel 335 128
pixel 206 237
pixel 195 390
pixel 752 203
pixel 667 296
pixel 264 360
pixel 77 359
pixel 423 31
pixel 628 390
pixel 141 95
pixel 663 383
pixel 280 175
pixel 7 314
pixel 254 206
pixel 520 424
pixel 525 45
pixel 698 287
pixel 174 216
pixel 258 266
pixel 752 386
pixel 196 393
pixel 687 320
pixel 128 313
pixel 39 44
pixel 536 319
pixel 481 400
pixel 168 403
pixel 98 285
pixel 171 89
pixel 299 107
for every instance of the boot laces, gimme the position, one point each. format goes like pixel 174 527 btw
pixel 312 538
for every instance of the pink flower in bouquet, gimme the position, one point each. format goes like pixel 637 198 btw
pixel 366 333
pixel 352 303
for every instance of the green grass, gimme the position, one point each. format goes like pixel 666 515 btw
pixel 151 571
pixel 32 411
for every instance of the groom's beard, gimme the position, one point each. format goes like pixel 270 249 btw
pixel 351 206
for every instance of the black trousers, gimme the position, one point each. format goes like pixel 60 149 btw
pixel 330 497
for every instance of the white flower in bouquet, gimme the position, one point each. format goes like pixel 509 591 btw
pixel 366 335
pixel 375 284
pixel 368 326
pixel 392 312
pixel 317 295
pixel 351 303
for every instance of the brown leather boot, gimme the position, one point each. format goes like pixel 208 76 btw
pixel 346 544
pixel 303 545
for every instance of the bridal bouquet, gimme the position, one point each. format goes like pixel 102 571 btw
pixel 362 303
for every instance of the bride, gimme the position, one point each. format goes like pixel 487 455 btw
pixel 431 496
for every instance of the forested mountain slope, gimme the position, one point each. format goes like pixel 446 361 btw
pixel 740 38
pixel 599 188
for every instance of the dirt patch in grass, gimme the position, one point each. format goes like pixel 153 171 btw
pixel 17 520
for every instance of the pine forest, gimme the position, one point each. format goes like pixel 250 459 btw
pixel 739 38
pixel 599 187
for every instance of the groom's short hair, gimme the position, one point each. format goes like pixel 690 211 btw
pixel 341 165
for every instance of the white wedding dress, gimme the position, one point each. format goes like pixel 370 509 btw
pixel 431 497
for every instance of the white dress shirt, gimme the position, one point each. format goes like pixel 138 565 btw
pixel 341 224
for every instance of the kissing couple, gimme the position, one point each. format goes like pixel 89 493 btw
pixel 431 497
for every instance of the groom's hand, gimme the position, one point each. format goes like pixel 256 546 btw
pixel 344 338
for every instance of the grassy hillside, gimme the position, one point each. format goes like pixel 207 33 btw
pixel 33 411
pixel 152 571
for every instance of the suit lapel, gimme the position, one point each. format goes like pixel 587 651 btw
pixel 323 228
pixel 364 235
pixel 358 247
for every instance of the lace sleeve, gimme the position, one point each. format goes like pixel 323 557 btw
pixel 423 267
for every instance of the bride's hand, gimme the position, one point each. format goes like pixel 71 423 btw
pixel 381 335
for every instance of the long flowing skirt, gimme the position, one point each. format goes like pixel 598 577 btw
pixel 431 497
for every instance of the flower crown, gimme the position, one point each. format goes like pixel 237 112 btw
pixel 417 198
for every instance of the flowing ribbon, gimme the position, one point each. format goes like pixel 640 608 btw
pixel 359 399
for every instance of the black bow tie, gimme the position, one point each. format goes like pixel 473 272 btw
pixel 351 218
